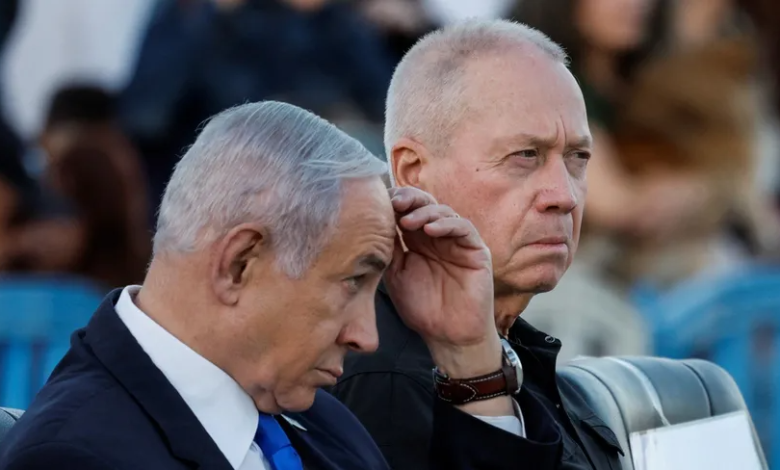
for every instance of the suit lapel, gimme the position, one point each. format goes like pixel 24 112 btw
pixel 120 353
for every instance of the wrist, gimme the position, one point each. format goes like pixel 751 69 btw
pixel 466 361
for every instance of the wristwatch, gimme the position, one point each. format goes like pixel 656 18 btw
pixel 506 381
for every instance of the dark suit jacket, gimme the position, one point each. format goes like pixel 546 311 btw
pixel 106 406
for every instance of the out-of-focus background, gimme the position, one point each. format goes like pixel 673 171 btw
pixel 679 253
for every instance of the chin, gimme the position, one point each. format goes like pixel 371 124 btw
pixel 536 279
pixel 296 400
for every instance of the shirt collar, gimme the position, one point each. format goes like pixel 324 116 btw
pixel 223 408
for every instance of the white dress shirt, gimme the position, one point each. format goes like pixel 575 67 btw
pixel 226 412
pixel 224 409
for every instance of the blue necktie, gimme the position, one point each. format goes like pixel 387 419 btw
pixel 276 445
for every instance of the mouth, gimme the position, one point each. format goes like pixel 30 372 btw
pixel 550 241
pixel 331 375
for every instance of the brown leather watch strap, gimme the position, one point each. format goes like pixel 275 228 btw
pixel 485 387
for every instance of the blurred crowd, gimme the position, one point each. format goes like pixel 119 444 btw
pixel 682 99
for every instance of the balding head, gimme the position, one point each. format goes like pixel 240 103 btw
pixel 426 96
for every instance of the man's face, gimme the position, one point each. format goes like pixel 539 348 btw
pixel 515 166
pixel 298 343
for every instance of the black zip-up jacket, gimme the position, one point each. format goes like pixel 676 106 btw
pixel 391 392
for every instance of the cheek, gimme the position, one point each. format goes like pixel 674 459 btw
pixel 318 336
pixel 502 229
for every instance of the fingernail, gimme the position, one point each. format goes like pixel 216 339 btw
pixel 398 198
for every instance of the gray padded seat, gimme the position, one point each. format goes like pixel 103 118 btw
pixel 640 393
pixel 8 416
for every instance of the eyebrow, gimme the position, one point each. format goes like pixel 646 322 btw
pixel 373 262
pixel 578 142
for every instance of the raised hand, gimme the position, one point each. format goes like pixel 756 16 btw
pixel 442 284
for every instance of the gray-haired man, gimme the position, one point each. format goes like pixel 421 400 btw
pixel 273 235
pixel 485 116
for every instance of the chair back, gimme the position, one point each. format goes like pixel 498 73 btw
pixel 37 317
pixel 732 320
pixel 633 394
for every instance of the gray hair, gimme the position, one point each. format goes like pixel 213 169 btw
pixel 424 100
pixel 267 162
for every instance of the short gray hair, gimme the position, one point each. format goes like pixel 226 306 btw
pixel 267 162
pixel 423 99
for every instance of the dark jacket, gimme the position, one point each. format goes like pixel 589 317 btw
pixel 106 406
pixel 391 392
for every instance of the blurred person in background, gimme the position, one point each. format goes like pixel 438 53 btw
pixel 96 168
pixel 697 23
pixel 201 56
pixel 113 249
pixel 92 169
pixel 692 117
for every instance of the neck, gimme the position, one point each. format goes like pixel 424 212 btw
pixel 507 308
pixel 600 71
pixel 177 307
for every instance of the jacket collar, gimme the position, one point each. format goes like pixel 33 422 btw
pixel 123 357
pixel 538 352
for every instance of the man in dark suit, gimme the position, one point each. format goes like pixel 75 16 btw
pixel 486 117
pixel 272 238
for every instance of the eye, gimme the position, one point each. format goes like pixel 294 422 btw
pixel 582 155
pixel 354 283
pixel 528 153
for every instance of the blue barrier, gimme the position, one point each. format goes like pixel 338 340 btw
pixel 37 317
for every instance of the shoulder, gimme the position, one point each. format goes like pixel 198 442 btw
pixel 76 411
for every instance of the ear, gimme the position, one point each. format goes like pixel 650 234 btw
pixel 407 162
pixel 236 254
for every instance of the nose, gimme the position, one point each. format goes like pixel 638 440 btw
pixel 360 334
pixel 556 188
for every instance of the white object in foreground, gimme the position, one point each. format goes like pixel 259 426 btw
pixel 724 442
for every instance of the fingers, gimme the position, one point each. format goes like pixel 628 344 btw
pixel 417 219
pixel 436 220
pixel 407 199
pixel 461 229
